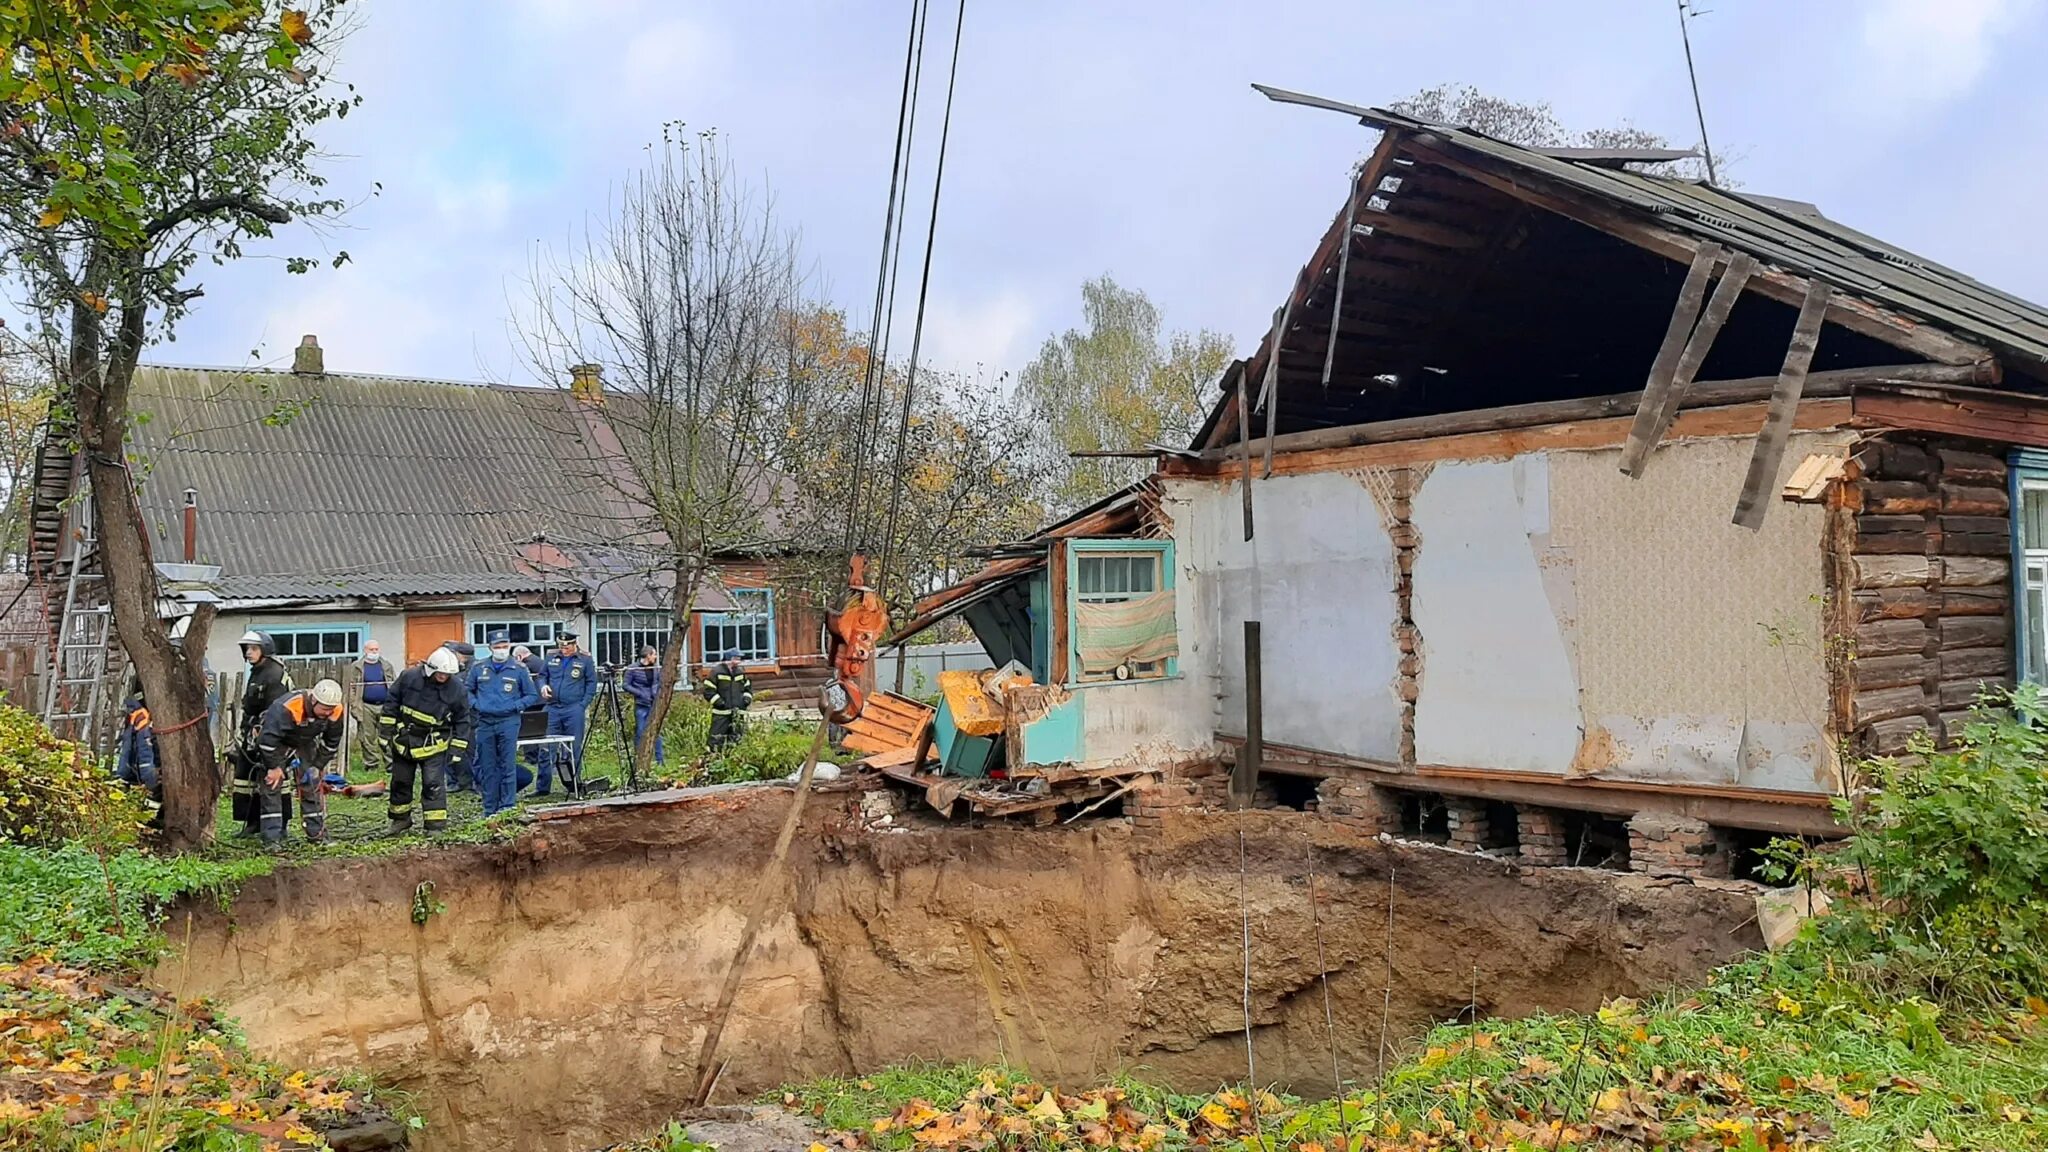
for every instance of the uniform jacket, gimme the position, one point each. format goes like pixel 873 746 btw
pixel 641 681
pixel 268 682
pixel 501 690
pixel 572 679
pixel 136 750
pixel 291 727
pixel 425 711
pixel 728 689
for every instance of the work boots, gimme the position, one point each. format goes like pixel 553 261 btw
pixel 397 826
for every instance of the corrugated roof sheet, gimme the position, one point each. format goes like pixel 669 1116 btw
pixel 345 485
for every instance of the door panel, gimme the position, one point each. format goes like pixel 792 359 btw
pixel 426 631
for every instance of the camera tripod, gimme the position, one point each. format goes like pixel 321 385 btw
pixel 607 704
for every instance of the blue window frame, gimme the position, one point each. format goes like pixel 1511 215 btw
pixel 318 641
pixel 749 629
pixel 2029 479
pixel 1111 572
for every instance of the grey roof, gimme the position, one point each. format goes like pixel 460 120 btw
pixel 1789 234
pixel 338 485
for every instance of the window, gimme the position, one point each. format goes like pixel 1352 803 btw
pixel 1121 609
pixel 312 643
pixel 2030 482
pixel 621 635
pixel 749 629
pixel 538 635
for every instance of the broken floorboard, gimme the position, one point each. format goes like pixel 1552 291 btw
pixel 986 796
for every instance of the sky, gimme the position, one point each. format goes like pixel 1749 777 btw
pixel 1087 138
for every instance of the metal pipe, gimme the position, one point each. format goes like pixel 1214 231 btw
pixel 191 525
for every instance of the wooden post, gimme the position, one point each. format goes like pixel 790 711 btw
pixel 1244 775
pixel 1244 445
pixel 1644 435
pixel 1769 453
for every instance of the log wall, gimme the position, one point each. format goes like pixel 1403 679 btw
pixel 1920 542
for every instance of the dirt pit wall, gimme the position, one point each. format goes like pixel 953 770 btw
pixel 558 1000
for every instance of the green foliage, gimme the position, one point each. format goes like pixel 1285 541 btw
pixel 62 902
pixel 767 749
pixel 52 792
pixel 424 906
pixel 1953 847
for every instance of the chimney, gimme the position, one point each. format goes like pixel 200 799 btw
pixel 307 359
pixel 191 525
pixel 586 382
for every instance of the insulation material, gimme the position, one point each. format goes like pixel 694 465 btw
pixel 1325 596
pixel 1497 684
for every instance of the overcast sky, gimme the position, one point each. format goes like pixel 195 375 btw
pixel 1092 137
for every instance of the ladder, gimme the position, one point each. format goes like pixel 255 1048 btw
pixel 74 692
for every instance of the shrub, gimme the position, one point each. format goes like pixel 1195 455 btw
pixel 1952 846
pixel 52 792
pixel 99 911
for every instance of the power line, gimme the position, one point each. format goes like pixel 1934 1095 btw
pixel 1699 110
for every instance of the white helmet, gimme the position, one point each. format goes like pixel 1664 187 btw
pixel 327 694
pixel 443 660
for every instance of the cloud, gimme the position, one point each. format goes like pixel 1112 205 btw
pixel 1935 50
pixel 964 335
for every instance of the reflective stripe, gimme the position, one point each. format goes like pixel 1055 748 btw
pixel 392 721
pixel 436 816
pixel 718 711
pixel 245 786
pixel 428 751
pixel 415 714
pixel 400 809
pixel 452 743
pixel 273 818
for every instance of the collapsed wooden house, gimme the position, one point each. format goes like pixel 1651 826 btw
pixel 1574 510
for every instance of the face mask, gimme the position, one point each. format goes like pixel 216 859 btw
pixel 501 654
pixel 373 657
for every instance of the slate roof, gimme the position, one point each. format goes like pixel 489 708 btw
pixel 342 485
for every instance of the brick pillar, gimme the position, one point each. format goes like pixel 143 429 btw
pixel 1148 806
pixel 1369 808
pixel 1470 828
pixel 1541 833
pixel 1662 843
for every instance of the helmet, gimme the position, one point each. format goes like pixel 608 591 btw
pixel 443 660
pixel 327 694
pixel 260 640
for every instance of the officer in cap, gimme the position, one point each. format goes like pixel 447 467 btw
pixel 570 681
pixel 501 688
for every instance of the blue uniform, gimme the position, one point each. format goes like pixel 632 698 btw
pixel 500 693
pixel 571 680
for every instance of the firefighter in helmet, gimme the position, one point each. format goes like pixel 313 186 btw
pixel 268 683
pixel 425 728
pixel 300 734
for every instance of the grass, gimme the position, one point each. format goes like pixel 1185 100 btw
pixel 1772 1052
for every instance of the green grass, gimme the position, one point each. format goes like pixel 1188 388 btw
pixel 55 901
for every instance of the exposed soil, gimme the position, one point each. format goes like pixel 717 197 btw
pixel 559 1000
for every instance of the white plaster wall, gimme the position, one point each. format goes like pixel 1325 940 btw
pixel 1319 576
pixel 224 654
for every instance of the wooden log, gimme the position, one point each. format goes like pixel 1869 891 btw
pixel 1890 543
pixel 1971 467
pixel 1895 603
pixel 1973 632
pixel 1973 501
pixel 1669 391
pixel 1964 693
pixel 1891 637
pixel 1895 460
pixel 1880 524
pixel 1893 571
pixel 1897 497
pixel 1983 601
pixel 1890 737
pixel 1768 457
pixel 1890 703
pixel 1976 525
pixel 1952 725
pixel 1976 545
pixel 1889 671
pixel 1974 571
pixel 1983 663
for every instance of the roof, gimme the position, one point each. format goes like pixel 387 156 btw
pixel 344 485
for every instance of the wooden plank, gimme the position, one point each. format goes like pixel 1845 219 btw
pixel 1060 659
pixel 1769 454
pixel 1244 448
pixel 1344 247
pixel 1636 457
pixel 1664 367
pixel 1244 772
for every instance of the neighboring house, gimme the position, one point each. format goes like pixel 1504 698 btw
pixel 1472 618
pixel 344 507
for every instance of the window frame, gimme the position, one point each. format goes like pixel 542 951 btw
pixel 478 629
pixel 709 620
pixel 2027 470
pixel 1077 550
pixel 606 625
pixel 358 633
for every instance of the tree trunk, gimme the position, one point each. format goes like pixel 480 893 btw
pixel 173 678
pixel 672 658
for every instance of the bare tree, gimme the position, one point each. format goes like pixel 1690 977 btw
pixel 683 299
pixel 1535 125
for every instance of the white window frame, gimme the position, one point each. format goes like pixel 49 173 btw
pixel 352 652
pixel 2030 582
pixel 640 628
pixel 479 629
pixel 1150 670
pixel 763 618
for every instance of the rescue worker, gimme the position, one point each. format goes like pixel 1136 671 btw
pixel 269 680
pixel 425 728
pixel 730 691
pixel 374 677
pixel 571 679
pixel 300 734
pixel 500 688
pixel 135 752
pixel 641 681
pixel 461 777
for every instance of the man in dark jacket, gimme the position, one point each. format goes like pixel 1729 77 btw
pixel 641 682
pixel 268 683
pixel 369 691
pixel 425 727
pixel 300 734
pixel 135 752
pixel 730 691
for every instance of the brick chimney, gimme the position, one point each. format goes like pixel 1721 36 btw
pixel 307 358
pixel 586 382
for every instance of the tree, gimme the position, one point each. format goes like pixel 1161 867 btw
pixel 1116 387
pixel 1535 125
pixel 177 131
pixel 686 298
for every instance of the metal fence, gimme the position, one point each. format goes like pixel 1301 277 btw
pixel 923 663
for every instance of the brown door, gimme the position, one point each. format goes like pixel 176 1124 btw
pixel 426 631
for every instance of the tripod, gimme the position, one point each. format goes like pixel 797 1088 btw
pixel 607 701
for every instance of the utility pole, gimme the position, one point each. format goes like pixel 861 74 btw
pixel 1685 35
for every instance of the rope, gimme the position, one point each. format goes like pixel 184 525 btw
pixel 182 726
pixel 923 293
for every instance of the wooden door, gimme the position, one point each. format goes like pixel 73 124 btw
pixel 426 631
